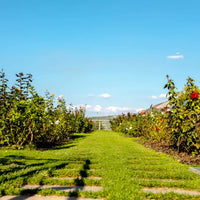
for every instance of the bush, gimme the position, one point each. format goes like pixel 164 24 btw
pixel 26 118
pixel 184 118
pixel 178 127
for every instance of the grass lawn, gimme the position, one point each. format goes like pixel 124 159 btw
pixel 125 166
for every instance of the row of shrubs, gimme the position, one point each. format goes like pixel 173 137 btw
pixel 26 118
pixel 176 125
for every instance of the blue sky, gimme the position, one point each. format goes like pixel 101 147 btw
pixel 112 55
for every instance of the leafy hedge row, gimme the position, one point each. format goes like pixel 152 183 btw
pixel 177 125
pixel 26 118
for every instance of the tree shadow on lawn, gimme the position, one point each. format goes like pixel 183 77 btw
pixel 71 142
pixel 79 181
pixel 8 160
pixel 21 197
pixel 77 136
pixel 24 170
pixel 83 174
pixel 17 163
pixel 67 146
pixel 27 193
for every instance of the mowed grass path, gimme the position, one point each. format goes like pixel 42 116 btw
pixel 126 169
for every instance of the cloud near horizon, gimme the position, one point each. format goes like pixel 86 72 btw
pixel 115 109
pixel 161 96
pixel 175 57
pixel 105 95
pixel 111 110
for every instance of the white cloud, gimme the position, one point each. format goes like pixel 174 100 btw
pixel 97 108
pixel 111 110
pixel 119 110
pixel 154 97
pixel 115 109
pixel 74 107
pixel 88 107
pixel 175 57
pixel 105 95
pixel 161 96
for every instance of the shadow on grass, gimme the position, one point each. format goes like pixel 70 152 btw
pixel 27 193
pixel 25 171
pixel 70 143
pixel 83 174
pixel 77 136
pixel 7 160
pixel 80 180
pixel 74 195
pixel 67 146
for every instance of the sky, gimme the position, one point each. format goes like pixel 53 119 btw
pixel 111 56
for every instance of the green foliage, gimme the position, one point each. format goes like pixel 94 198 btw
pixel 126 124
pixel 151 125
pixel 26 118
pixel 178 126
pixel 183 120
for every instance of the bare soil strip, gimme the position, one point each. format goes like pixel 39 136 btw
pixel 65 188
pixel 38 197
pixel 175 190
pixel 195 170
pixel 163 180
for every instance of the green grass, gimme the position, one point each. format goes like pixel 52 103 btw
pixel 124 165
